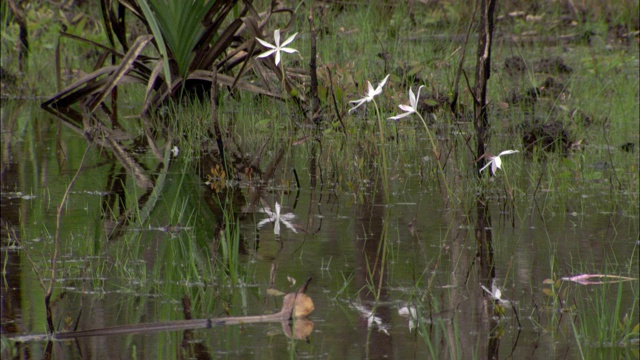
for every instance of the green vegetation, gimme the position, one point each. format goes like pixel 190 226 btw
pixel 389 217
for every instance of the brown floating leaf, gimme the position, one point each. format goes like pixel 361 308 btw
pixel 547 292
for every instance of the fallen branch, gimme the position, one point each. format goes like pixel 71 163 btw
pixel 295 305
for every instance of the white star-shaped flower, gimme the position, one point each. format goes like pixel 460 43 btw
pixel 370 94
pixel 495 161
pixel 277 48
pixel 411 108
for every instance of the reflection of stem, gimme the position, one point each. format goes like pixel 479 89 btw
pixel 435 152
pixel 383 260
pixel 54 258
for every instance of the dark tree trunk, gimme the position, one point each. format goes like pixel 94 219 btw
pixel 483 72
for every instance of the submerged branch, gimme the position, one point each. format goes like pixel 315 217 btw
pixel 294 306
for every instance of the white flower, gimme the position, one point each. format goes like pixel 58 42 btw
pixel 175 151
pixel 495 161
pixel 277 218
pixel 277 48
pixel 370 94
pixel 409 109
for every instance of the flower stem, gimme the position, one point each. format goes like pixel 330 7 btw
pixel 509 188
pixel 435 152
pixel 385 179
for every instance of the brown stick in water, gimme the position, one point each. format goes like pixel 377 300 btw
pixel 294 305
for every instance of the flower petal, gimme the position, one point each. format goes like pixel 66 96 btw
pixel 371 91
pixel 289 40
pixel 397 117
pixel 289 50
pixel 265 44
pixel 497 164
pixel 384 81
pixel 266 53
pixel 412 97
pixel 277 57
pixel 360 102
pixel 486 165
pixel 407 108
pixel 276 37
pixel 507 152
pixel 263 222
pixel 414 101
pixel 289 225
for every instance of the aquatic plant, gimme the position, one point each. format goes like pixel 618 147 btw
pixel 196 36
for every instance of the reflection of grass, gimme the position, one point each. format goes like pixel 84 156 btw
pixel 599 325
pixel 555 184
pixel 602 318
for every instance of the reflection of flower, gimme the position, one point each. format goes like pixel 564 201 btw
pixel 217 178
pixel 277 47
pixel 411 312
pixel 277 218
pixel 372 319
pixel 495 161
pixel 370 94
pixel 411 108
pixel 495 293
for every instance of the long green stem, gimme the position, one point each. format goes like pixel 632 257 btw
pixel 435 152
pixel 509 188
pixel 385 178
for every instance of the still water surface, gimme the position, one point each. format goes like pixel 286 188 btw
pixel 430 303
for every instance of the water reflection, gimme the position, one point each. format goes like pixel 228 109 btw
pixel 371 242
pixel 423 297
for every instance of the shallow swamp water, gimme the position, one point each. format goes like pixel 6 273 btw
pixel 165 252
pixel 426 301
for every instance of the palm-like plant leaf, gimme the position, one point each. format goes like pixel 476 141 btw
pixel 155 29
pixel 189 36
pixel 121 71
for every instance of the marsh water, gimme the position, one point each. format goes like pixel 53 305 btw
pixel 421 297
